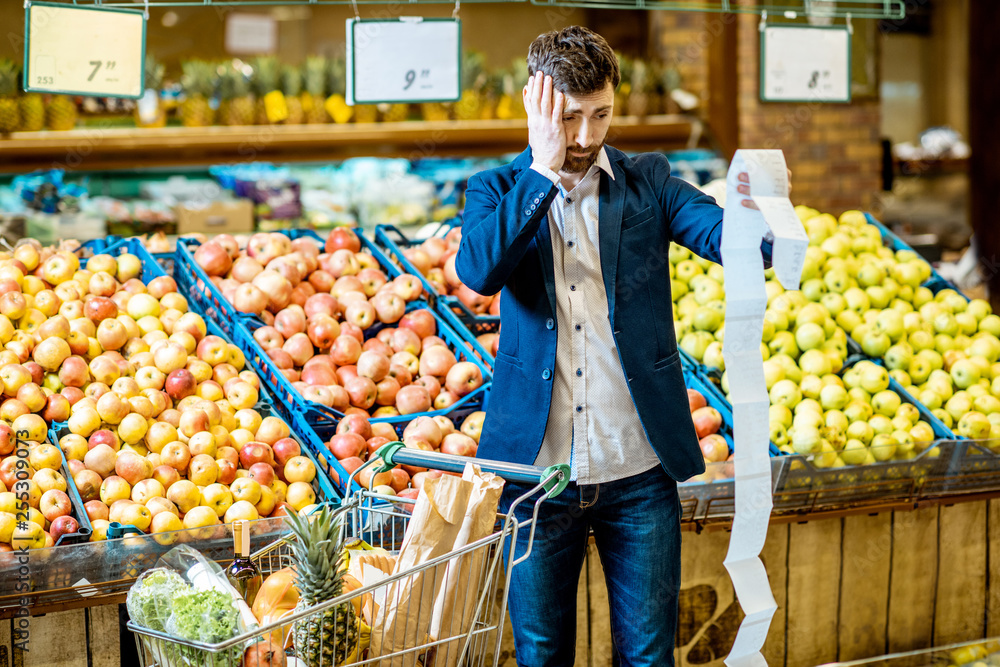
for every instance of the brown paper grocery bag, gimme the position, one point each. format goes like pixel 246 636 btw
pixel 450 512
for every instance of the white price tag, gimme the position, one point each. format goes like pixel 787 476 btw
pixel 79 50
pixel 805 64
pixel 403 60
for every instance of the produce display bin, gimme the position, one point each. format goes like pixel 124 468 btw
pixel 193 283
pixel 977 652
pixel 317 436
pixel 395 241
pixel 310 412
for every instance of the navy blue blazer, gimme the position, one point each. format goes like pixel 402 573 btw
pixel 506 245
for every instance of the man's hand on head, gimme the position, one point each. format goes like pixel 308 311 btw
pixel 546 134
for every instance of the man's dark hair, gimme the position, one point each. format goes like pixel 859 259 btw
pixel 578 60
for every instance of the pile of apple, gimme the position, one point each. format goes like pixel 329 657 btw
pixel 707 422
pixel 356 440
pixel 316 337
pixel 434 258
pixel 146 396
pixel 49 508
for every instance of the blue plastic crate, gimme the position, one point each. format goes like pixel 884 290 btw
pixel 150 267
pixel 78 512
pixel 316 414
pixel 318 435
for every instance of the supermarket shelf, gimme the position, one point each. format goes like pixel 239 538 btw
pixel 127 148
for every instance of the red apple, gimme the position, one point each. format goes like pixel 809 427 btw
pixel 463 378
pixel 213 259
pixel 706 420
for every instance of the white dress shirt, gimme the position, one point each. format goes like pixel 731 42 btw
pixel 593 423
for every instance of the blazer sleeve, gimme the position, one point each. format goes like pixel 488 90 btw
pixel 499 226
pixel 694 217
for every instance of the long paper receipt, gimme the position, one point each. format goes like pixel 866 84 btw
pixel 743 231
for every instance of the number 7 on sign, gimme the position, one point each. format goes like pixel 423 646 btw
pixel 97 67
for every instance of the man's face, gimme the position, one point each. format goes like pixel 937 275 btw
pixel 586 119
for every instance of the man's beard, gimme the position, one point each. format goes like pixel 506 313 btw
pixel 579 165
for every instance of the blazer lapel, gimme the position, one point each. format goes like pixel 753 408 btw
pixel 612 199
pixel 543 239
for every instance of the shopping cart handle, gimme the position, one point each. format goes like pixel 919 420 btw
pixel 396 453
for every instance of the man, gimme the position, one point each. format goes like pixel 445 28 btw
pixel 576 234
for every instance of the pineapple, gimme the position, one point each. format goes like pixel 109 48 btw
pixel 315 93
pixel 198 81
pixel 151 116
pixel 61 113
pixel 394 113
pixel 336 106
pixel 32 112
pixel 271 107
pixel 469 106
pixel 331 637
pixel 10 109
pixel 291 86
pixel 642 83
pixel 237 107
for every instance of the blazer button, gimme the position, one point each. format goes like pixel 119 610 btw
pixel 527 211
pixel 550 323
pixel 546 374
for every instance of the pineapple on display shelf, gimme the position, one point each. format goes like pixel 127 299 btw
pixel 336 105
pixel 331 637
pixel 641 83
pixel 198 81
pixel 149 109
pixel 237 107
pixel 469 106
pixel 291 86
pixel 10 108
pixel 61 113
pixel 32 112
pixel 314 96
pixel 271 106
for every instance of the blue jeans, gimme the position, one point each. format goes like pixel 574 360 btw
pixel 636 524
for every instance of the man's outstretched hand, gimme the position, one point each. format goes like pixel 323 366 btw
pixel 546 134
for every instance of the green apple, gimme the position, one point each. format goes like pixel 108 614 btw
pixel 859 394
pixel 829 327
pixel 931 399
pixel 891 288
pixel 907 274
pixel 920 370
pixel 880 424
pixel 779 414
pixel 696 342
pixel 837 423
pixel 778 434
pixel 899 357
pixel 773 372
pixel 990 324
pixel 807 419
pixel 958 405
pixel 848 320
pixel 706 319
pixel 874 378
pixel 890 322
pixel 816 230
pixel 792 370
pixel 965 373
pixel 921 340
pixel 870 274
pixel 713 356
pixel 815 362
pixel 678 289
pixel 784 343
pixel 906 294
pixel 912 322
pixel 836 280
pixel 886 403
pixel 875 344
pixel 980 308
pixel 777 318
pixel 834 303
pixel 902 377
pixel 901 422
pixel 995 386
pixel 967 323
pixel 985 345
pixel 943 417
pixel 808 405
pixel 852 377
pixel 922 434
pixel 854 452
pixel 986 404
pixel 708 290
pixel 768 332
pixel 809 336
pixel 860 430
pixel 878 296
pixel 857 300
pixel 688 269
pixel 973 425
pixel 945 323
pixel 859 411
pixel 827 455
pixel 921 296
pixel 786 393
pixel 904 443
pixel 910 412
pixel 813 289
pixel 954 301
pixel 806 440
pixel 677 253
pixel 833 397
pixel 811 386
pixel 883 447
pixel 811 313
pixel 941 387
pixel 716 273
pixel 978 389
pixel 773 289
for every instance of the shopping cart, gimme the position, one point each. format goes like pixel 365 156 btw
pixel 381 520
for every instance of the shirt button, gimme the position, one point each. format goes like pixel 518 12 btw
pixel 549 323
pixel 572 288
pixel 546 374
pixel 578 327
pixel 570 244
pixel 579 372
pixel 568 200
pixel 579 408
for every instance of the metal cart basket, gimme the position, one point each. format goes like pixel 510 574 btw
pixel 469 635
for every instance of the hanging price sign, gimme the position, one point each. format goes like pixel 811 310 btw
pixel 78 50
pixel 801 63
pixel 403 60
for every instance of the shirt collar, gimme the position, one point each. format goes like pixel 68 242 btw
pixel 604 163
